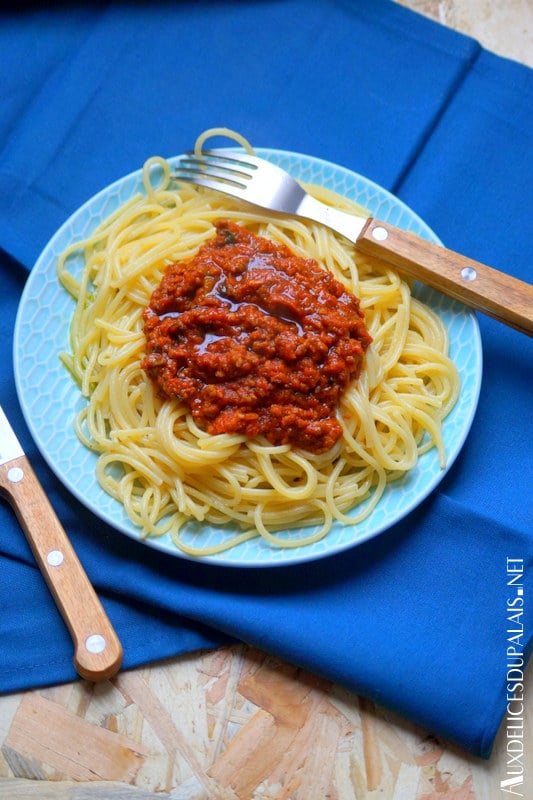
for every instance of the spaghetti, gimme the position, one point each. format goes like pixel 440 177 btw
pixel 163 466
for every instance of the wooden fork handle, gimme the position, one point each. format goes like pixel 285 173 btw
pixel 97 649
pixel 501 296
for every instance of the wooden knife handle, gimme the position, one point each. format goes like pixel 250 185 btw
pixel 97 649
pixel 501 296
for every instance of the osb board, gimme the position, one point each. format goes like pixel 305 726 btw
pixel 503 26
pixel 230 724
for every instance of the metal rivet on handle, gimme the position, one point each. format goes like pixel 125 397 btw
pixel 15 474
pixel 55 558
pixel 379 233
pixel 95 643
pixel 469 274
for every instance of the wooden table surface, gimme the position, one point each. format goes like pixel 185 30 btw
pixel 234 723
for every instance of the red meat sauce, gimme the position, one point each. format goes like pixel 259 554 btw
pixel 255 340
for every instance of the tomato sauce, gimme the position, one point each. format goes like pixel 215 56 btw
pixel 255 340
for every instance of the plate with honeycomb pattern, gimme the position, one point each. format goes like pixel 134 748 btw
pixel 50 399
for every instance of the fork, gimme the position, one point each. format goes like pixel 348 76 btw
pixel 267 186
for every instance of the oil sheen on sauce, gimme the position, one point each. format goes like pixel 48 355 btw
pixel 255 340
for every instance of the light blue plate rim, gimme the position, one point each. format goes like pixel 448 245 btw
pixel 49 398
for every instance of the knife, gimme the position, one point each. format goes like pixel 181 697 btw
pixel 97 649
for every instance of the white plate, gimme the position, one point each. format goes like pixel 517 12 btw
pixel 50 399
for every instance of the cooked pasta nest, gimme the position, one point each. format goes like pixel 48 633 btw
pixel 160 465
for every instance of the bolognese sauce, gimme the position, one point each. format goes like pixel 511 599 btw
pixel 255 340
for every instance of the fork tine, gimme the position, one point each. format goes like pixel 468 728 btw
pixel 215 182
pixel 213 179
pixel 223 158
pixel 211 169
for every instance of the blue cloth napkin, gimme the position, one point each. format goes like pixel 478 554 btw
pixel 416 619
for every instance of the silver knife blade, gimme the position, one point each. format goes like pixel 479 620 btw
pixel 10 447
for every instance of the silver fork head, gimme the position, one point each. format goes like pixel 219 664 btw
pixel 216 170
pixel 241 175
